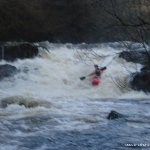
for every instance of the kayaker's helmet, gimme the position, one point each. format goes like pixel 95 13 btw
pixel 96 66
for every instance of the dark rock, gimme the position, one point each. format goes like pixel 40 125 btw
pixel 114 115
pixel 22 101
pixel 146 68
pixel 136 57
pixel 7 71
pixel 21 51
pixel 141 81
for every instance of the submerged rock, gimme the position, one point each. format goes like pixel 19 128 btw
pixel 7 71
pixel 21 51
pixel 27 102
pixel 114 115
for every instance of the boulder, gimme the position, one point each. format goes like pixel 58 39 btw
pixel 141 81
pixel 146 68
pixel 114 115
pixel 24 101
pixel 21 51
pixel 7 71
pixel 141 57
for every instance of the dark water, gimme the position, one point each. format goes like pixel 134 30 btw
pixel 114 135
pixel 39 132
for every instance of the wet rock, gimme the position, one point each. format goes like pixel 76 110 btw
pixel 21 51
pixel 113 115
pixel 146 68
pixel 135 56
pixel 7 71
pixel 26 102
pixel 141 81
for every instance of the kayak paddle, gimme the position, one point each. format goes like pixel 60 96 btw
pixel 82 78
pixel 102 69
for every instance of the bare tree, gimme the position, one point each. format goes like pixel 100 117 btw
pixel 135 23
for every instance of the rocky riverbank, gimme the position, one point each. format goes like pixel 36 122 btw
pixel 140 80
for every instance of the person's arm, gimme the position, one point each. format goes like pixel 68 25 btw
pixel 103 68
pixel 91 73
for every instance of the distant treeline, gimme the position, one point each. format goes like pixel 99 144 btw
pixel 74 20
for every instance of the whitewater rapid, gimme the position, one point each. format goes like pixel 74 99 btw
pixel 56 74
pixel 46 106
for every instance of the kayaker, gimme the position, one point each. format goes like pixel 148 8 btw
pixel 97 71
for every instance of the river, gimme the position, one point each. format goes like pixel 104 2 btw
pixel 47 107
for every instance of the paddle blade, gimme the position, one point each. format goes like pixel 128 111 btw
pixel 82 78
pixel 103 68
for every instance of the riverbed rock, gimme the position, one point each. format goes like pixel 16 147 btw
pixel 7 71
pixel 141 57
pixel 114 115
pixel 24 101
pixel 146 68
pixel 141 81
pixel 20 51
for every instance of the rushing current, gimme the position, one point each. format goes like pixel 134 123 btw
pixel 47 107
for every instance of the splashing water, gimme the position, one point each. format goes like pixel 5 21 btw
pixel 57 73
pixel 47 96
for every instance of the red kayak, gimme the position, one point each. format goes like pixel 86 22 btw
pixel 95 81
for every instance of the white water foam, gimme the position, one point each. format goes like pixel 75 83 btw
pixel 57 74
pixel 55 77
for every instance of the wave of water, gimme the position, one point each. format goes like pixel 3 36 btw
pixel 47 102
pixel 57 73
